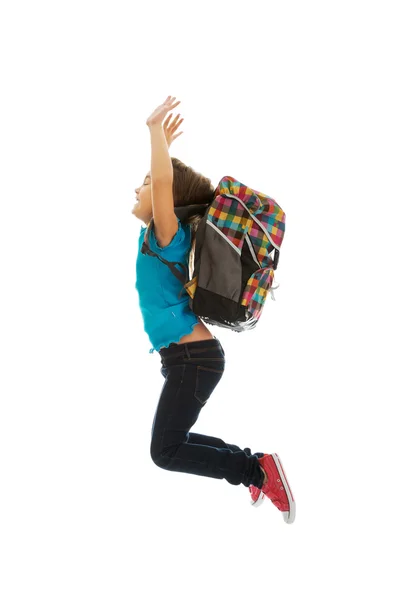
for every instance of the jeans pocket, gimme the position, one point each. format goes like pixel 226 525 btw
pixel 207 379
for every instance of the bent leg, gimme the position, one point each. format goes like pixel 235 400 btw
pixel 174 448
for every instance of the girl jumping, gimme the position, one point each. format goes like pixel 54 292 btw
pixel 192 359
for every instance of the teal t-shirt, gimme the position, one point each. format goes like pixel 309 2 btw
pixel 166 317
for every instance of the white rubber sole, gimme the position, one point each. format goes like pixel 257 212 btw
pixel 288 516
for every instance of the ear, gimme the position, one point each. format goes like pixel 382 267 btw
pixel 165 220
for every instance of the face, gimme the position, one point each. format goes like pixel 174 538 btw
pixel 143 209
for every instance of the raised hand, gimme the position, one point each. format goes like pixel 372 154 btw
pixel 170 128
pixel 159 114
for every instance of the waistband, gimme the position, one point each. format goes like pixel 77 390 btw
pixel 190 349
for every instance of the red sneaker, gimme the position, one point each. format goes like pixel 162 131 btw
pixel 276 488
pixel 257 496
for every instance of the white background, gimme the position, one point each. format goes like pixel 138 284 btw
pixel 299 100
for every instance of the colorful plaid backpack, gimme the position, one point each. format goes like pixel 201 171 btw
pixel 233 268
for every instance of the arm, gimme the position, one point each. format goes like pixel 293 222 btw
pixel 165 222
pixel 161 165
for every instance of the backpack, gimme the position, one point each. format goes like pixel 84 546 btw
pixel 233 268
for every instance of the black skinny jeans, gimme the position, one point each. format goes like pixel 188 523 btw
pixel 191 373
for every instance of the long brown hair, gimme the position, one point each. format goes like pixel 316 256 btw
pixel 190 187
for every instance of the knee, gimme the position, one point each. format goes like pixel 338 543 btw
pixel 158 455
pixel 161 456
pixel 155 453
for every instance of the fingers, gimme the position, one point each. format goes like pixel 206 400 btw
pixel 170 99
pixel 174 125
pixel 169 116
